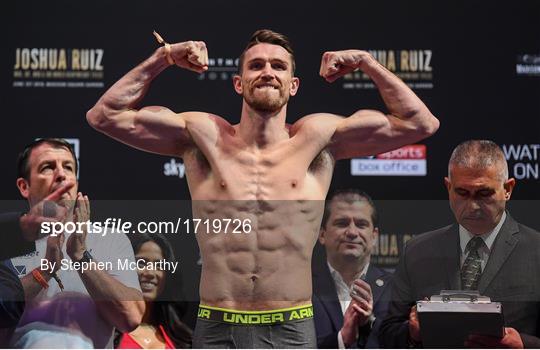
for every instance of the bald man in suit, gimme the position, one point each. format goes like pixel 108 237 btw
pixel 508 255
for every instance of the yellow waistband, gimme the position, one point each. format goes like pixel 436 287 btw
pixel 265 317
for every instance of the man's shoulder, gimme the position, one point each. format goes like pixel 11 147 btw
pixel 529 233
pixel 422 240
pixel 319 269
pixel 205 124
pixel 528 230
pixel 113 243
pixel 316 122
pixel 379 272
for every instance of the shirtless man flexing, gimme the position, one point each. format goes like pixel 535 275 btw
pixel 273 174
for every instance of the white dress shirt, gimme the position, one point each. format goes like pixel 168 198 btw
pixel 343 292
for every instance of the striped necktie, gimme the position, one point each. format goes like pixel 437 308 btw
pixel 472 267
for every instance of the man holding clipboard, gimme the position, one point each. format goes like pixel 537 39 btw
pixel 486 251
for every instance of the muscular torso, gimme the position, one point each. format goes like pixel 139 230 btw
pixel 279 191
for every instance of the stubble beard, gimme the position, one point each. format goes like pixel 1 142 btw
pixel 266 104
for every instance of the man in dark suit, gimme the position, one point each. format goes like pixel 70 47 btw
pixel 350 296
pixel 486 250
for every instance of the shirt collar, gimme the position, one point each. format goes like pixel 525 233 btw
pixel 337 276
pixel 489 237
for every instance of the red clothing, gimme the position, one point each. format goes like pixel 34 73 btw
pixel 127 341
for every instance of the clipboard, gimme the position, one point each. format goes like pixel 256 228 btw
pixel 447 319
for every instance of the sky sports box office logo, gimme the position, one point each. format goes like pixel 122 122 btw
pixel 405 161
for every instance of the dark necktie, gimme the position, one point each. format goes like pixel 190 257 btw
pixel 472 267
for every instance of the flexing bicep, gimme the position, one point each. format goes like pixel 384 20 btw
pixel 369 132
pixel 153 129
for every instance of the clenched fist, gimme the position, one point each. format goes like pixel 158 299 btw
pixel 191 55
pixel 336 64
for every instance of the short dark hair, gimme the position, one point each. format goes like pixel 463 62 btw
pixel 23 160
pixel 479 154
pixel 349 195
pixel 269 37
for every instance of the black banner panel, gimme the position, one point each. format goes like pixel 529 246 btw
pixel 476 65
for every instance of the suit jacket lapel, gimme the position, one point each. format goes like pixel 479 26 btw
pixel 371 277
pixel 502 247
pixel 451 251
pixel 326 291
